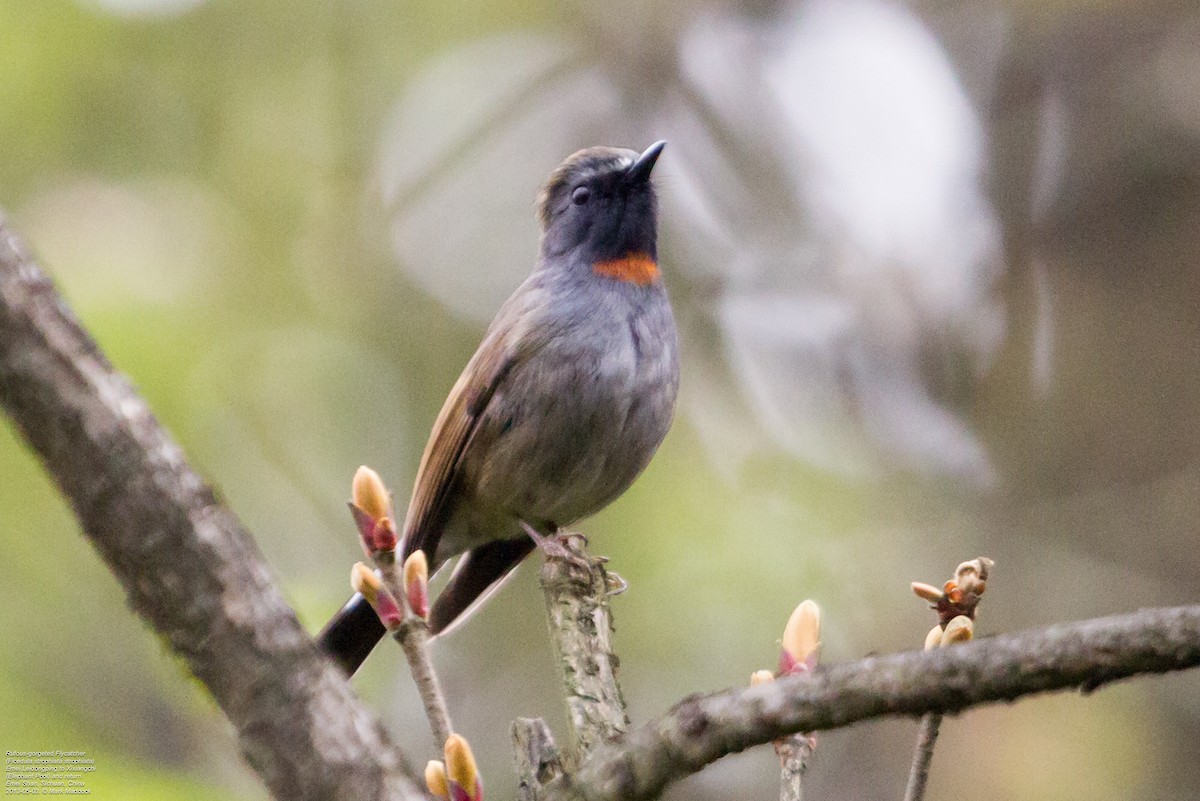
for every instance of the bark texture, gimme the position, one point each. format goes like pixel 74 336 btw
pixel 188 566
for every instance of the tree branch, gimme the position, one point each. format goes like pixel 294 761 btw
pixel 536 758
pixel 701 729
pixel 188 566
pixel 193 572
pixel 576 590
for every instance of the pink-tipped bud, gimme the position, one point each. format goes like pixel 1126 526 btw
pixel 364 580
pixel 927 592
pixel 369 494
pixel 435 779
pixel 371 508
pixel 385 535
pixel 761 677
pixel 802 637
pixel 416 583
pixel 461 770
pixel 960 629
pixel 388 610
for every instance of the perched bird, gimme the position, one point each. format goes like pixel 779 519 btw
pixel 563 404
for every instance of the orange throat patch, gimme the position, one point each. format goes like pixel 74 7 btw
pixel 637 268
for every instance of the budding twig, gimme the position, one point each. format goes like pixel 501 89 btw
pixel 955 604
pixel 800 651
pixel 457 778
pixel 413 636
pixel 399 594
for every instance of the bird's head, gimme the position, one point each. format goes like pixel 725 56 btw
pixel 599 207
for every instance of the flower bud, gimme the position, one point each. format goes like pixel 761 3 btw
pixel 927 592
pixel 802 635
pixel 462 771
pixel 416 583
pixel 369 493
pixel 960 629
pixel 972 576
pixel 761 677
pixel 388 610
pixel 435 779
pixel 934 638
pixel 371 508
pixel 364 581
pixel 385 535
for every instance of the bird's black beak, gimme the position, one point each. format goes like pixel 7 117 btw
pixel 640 169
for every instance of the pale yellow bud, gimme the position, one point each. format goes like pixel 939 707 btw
pixel 369 493
pixel 460 763
pixel 960 629
pixel 416 583
pixel 934 638
pixel 364 580
pixel 927 592
pixel 761 677
pixel 802 635
pixel 435 779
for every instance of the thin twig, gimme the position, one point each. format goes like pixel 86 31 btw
pixel 413 636
pixel 794 753
pixel 576 590
pixel 926 740
pixel 956 604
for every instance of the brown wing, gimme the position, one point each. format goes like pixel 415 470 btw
pixel 439 471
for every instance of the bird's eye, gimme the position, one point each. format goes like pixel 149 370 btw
pixel 580 195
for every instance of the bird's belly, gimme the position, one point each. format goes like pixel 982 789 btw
pixel 571 435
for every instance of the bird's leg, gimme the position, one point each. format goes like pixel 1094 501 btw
pixel 561 545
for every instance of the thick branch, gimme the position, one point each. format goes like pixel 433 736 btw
pixel 188 566
pixel 701 729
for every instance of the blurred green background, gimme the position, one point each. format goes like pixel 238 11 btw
pixel 935 267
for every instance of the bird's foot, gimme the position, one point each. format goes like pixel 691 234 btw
pixel 565 545
pixel 615 583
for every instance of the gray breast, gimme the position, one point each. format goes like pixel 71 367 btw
pixel 577 423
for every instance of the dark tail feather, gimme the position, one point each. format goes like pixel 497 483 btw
pixel 350 635
pixel 478 573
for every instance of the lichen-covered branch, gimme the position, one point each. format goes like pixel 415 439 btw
pixel 577 591
pixel 537 759
pixel 188 566
pixel 701 729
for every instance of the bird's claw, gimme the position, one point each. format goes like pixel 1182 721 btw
pixel 566 545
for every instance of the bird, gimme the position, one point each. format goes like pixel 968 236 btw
pixel 564 403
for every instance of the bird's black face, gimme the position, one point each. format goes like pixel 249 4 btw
pixel 600 201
